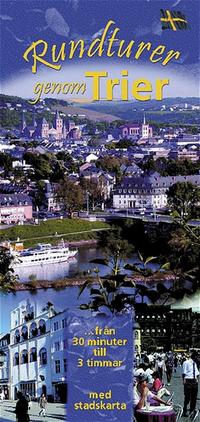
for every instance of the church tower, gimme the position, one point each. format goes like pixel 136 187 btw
pixel 34 121
pixel 23 123
pixel 64 134
pixel 58 125
pixel 146 129
pixel 44 128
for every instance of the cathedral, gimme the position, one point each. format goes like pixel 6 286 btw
pixel 59 130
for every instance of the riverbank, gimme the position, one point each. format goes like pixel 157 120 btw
pixel 34 285
pixel 72 230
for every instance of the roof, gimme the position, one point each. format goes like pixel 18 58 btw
pixel 157 181
pixel 129 125
pixel 14 200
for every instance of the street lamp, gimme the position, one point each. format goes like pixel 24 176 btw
pixel 87 202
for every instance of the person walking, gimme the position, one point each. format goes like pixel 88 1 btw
pixel 190 375
pixel 28 398
pixel 21 409
pixel 175 363
pixel 42 404
pixel 2 396
pixel 160 367
pixel 169 363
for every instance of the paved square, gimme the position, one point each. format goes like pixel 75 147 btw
pixel 55 412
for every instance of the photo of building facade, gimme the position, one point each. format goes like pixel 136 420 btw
pixel 38 351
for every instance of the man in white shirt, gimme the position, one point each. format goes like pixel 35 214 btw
pixel 190 375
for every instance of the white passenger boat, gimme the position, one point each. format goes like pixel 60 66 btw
pixel 43 254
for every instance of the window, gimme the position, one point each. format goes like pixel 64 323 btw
pixel 16 359
pixel 24 332
pixel 136 335
pixel 33 330
pixel 64 322
pixel 65 364
pixel 24 356
pixel 56 327
pixel 65 344
pixel 43 356
pixel 17 336
pixel 57 346
pixel 33 355
pixel 42 327
pixel 57 366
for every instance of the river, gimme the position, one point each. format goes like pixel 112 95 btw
pixel 67 297
pixel 56 271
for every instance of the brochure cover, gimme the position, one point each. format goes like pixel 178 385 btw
pixel 99 210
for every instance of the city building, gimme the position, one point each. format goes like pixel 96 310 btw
pixel 38 343
pixel 15 208
pixel 137 339
pixel 192 154
pixel 52 202
pixel 22 165
pixel 134 130
pixel 147 191
pixel 5 364
pixel 171 329
pixel 58 324
pixel 43 129
pixel 30 352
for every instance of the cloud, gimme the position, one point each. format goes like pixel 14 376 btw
pixel 155 28
pixel 6 18
pixel 76 36
pixel 73 3
pixel 88 38
pixel 36 10
pixel 21 40
pixel 98 33
pixel 56 22
pixel 176 3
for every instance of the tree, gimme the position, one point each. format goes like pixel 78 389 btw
pixel 184 198
pixel 143 269
pixel 57 171
pixel 116 251
pixel 6 162
pixel 184 252
pixel 110 164
pixel 8 280
pixel 92 188
pixel 71 195
pixel 124 143
pixel 40 198
pixel 41 164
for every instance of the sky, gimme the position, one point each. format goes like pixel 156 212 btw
pixel 58 21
